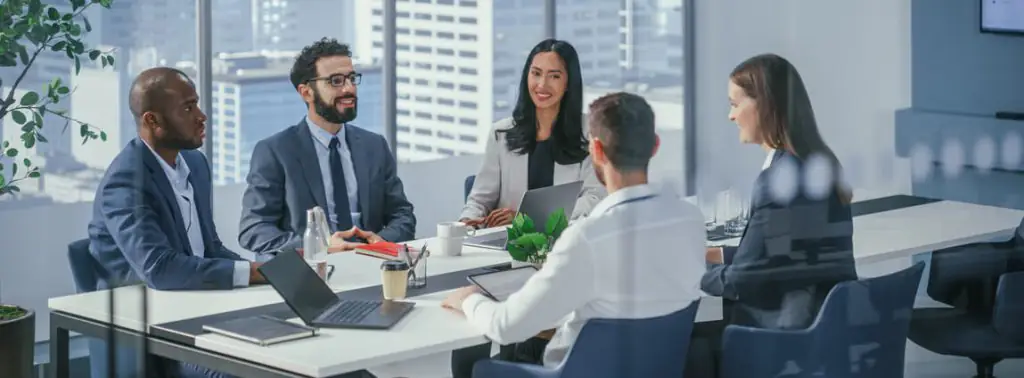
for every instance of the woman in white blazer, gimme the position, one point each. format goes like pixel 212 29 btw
pixel 542 144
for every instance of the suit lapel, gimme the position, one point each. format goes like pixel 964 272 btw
pixel 159 177
pixel 306 154
pixel 361 159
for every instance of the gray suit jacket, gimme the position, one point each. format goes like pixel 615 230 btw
pixel 137 233
pixel 284 181
pixel 502 179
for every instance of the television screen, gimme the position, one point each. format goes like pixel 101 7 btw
pixel 1002 16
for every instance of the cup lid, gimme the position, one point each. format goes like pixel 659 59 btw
pixel 394 265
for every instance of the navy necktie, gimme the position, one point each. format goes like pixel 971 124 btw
pixel 341 205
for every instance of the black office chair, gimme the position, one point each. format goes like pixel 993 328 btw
pixel 468 187
pixel 983 283
pixel 83 266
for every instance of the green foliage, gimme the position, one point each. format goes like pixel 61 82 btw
pixel 11 312
pixel 528 245
pixel 28 28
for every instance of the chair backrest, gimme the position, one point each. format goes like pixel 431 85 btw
pixel 83 266
pixel 650 347
pixel 966 276
pixel 864 324
pixel 468 187
pixel 1009 308
pixel 861 331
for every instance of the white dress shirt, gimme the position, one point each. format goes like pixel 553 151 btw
pixel 768 159
pixel 639 254
pixel 178 177
pixel 322 143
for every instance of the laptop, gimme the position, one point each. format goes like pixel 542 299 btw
pixel 538 204
pixel 314 302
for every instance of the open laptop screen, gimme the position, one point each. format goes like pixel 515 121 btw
pixel 298 284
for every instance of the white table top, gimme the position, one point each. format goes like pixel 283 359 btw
pixel 430 329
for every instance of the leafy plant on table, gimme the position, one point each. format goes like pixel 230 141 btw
pixel 526 244
pixel 27 29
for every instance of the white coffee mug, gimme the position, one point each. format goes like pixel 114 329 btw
pixel 448 246
pixel 453 230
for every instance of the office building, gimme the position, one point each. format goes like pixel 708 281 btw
pixel 460 63
pixel 253 98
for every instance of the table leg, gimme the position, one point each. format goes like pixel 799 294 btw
pixel 59 356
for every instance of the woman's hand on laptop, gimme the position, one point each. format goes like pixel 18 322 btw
pixel 499 217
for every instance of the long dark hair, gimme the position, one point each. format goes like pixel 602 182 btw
pixel 570 145
pixel 786 118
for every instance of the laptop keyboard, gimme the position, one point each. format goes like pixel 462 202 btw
pixel 350 312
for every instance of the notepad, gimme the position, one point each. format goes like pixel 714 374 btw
pixel 262 330
pixel 381 250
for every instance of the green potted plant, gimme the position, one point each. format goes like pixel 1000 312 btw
pixel 528 246
pixel 29 28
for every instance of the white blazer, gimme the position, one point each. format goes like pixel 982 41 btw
pixel 502 179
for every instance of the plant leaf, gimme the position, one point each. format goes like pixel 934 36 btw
pixel 12 152
pixel 30 98
pixel 18 117
pixel 3 180
pixel 94 54
pixel 78 65
pixel 34 174
pixel 27 162
pixel 88 26
pixel 557 222
pixel 103 136
pixel 14 170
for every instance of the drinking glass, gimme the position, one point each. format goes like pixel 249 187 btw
pixel 418 272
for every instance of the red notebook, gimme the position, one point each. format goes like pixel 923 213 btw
pixel 381 250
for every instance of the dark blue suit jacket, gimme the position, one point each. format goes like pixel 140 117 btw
pixel 792 252
pixel 284 181
pixel 137 233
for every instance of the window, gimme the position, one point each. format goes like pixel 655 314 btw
pixel 446 152
pixel 402 31
pixel 423 132
pixel 402 128
pixel 403 112
pixel 446 75
pixel 422 148
pixel 423 115
pixel 403 79
pixel 467 138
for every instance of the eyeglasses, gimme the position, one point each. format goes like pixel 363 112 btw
pixel 338 80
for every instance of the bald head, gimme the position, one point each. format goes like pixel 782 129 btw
pixel 152 89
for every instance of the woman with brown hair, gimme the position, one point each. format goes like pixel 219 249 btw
pixel 798 242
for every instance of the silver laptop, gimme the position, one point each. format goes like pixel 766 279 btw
pixel 538 204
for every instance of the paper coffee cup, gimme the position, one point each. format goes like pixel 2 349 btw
pixel 394 276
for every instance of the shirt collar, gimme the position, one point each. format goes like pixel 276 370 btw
pixel 180 169
pixel 324 137
pixel 623 195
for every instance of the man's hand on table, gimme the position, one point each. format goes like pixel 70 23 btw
pixel 456 298
pixel 339 242
pixel 255 277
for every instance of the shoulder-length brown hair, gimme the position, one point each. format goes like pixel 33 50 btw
pixel 786 118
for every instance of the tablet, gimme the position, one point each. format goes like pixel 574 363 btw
pixel 501 284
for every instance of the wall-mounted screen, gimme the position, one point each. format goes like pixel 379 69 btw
pixel 1002 16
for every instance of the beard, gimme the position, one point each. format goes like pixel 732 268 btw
pixel 329 110
pixel 175 139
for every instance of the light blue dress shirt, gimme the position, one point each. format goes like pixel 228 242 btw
pixel 183 193
pixel 322 142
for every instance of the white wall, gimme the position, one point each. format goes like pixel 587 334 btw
pixel 33 242
pixel 854 57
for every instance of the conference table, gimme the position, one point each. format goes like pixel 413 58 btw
pixel 170 322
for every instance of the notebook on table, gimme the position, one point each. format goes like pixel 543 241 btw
pixel 380 250
pixel 262 330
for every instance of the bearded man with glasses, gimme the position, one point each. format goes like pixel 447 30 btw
pixel 324 161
